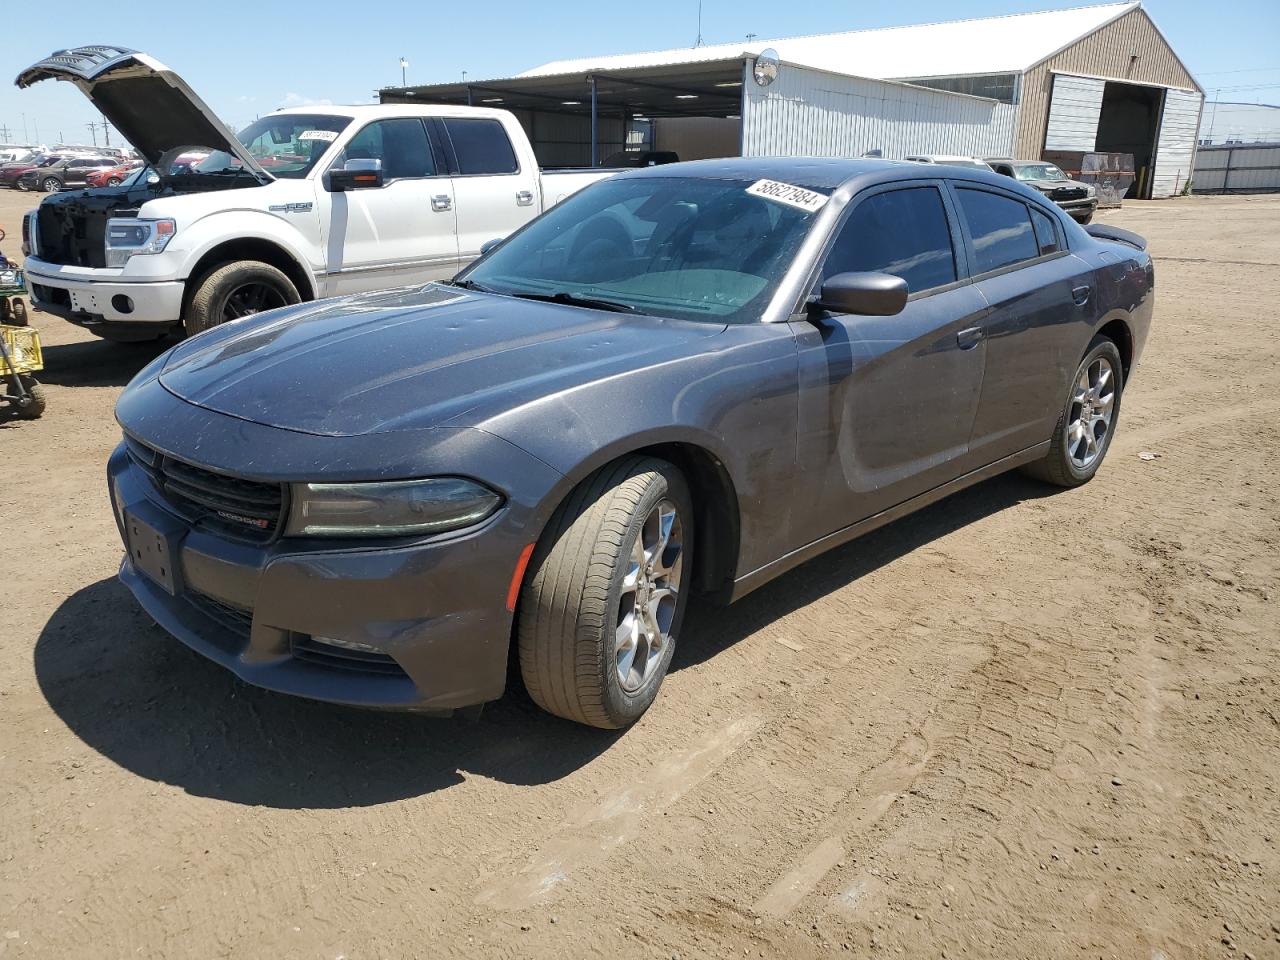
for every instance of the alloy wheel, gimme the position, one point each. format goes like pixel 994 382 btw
pixel 650 592
pixel 251 298
pixel 1093 404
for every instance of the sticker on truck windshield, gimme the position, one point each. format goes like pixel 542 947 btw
pixel 328 136
pixel 789 194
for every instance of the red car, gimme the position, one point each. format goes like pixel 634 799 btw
pixel 10 172
pixel 111 176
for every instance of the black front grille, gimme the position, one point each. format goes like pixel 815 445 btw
pixel 245 509
pixel 69 233
pixel 235 621
pixel 314 651
pixel 1069 193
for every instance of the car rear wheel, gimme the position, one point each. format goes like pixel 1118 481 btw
pixel 236 290
pixel 1088 420
pixel 113 181
pixel 50 185
pixel 605 594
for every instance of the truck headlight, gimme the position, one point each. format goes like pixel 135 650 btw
pixel 1090 190
pixel 393 509
pixel 129 237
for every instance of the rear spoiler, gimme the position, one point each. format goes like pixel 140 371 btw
pixel 1104 231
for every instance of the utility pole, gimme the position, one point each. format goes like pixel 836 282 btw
pixel 93 130
pixel 1213 113
pixel 404 65
pixel 106 131
pixel 4 134
pixel 698 42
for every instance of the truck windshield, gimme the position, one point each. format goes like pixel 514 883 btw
pixel 688 248
pixel 286 145
pixel 1038 171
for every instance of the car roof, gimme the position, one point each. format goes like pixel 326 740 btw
pixel 820 173
pixel 371 111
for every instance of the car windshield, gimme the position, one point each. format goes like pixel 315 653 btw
pixel 688 248
pixel 287 145
pixel 1038 171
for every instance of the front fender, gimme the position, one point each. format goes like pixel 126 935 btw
pixel 738 404
pixel 193 241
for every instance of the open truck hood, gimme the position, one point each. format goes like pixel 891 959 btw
pixel 146 101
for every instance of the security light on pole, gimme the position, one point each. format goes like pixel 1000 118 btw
pixel 404 65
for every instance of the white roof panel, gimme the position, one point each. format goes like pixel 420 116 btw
pixel 1008 44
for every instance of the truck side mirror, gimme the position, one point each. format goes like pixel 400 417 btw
pixel 355 175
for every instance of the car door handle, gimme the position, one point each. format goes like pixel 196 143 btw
pixel 441 202
pixel 524 198
pixel 970 337
pixel 1081 294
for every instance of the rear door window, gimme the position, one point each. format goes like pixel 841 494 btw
pixel 481 146
pixel 1046 232
pixel 401 146
pixel 1000 228
pixel 902 232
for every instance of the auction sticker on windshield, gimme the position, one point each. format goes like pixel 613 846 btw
pixel 328 136
pixel 789 194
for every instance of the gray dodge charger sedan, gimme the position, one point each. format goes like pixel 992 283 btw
pixel 682 380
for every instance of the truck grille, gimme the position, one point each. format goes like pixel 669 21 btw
pixel 66 233
pixel 243 509
pixel 1068 193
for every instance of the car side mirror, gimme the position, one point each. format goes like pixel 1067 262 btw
pixel 868 294
pixel 355 175
pixel 488 245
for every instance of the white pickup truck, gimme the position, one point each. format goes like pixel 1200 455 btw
pixel 305 203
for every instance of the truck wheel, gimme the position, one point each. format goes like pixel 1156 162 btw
pixel 1086 219
pixel 37 399
pixel 605 594
pixel 50 185
pixel 236 290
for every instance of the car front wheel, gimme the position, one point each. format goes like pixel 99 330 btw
pixel 1088 419
pixel 605 594
pixel 236 290
pixel 50 185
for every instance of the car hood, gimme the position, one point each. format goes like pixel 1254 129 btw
pixel 412 358
pixel 146 101
pixel 1048 186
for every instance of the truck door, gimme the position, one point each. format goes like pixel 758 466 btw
pixel 403 232
pixel 493 195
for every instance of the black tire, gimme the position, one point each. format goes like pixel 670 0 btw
pixel 569 611
pixel 1086 219
pixel 214 301
pixel 50 185
pixel 6 311
pixel 37 399
pixel 113 181
pixel 18 312
pixel 1057 467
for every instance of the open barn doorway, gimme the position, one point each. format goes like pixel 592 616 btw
pixel 1128 123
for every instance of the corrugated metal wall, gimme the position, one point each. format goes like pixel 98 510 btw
pixel 1176 144
pixel 1105 53
pixel 1074 109
pixel 814 113
pixel 564 140
pixel 1244 168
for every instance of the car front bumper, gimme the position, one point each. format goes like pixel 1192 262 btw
pixel 433 611
pixel 68 292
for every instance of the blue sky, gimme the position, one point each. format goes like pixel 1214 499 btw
pixel 249 58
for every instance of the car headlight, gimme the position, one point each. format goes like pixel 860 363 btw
pixel 129 237
pixel 391 509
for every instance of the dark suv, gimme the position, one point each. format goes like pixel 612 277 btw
pixel 70 172
pixel 1078 199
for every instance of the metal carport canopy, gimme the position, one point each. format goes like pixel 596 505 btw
pixel 710 88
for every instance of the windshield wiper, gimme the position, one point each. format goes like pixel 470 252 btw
pixel 469 285
pixel 575 300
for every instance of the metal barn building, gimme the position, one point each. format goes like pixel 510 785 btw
pixel 1100 78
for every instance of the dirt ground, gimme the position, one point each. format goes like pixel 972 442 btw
pixel 1022 723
